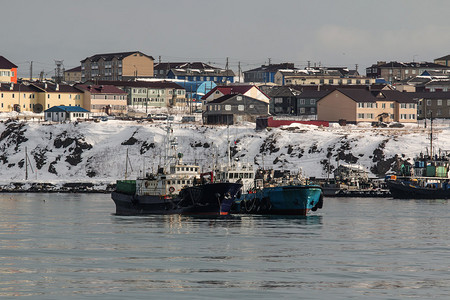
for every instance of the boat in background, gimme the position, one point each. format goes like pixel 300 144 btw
pixel 427 178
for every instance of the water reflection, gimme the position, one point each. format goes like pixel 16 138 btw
pixel 230 221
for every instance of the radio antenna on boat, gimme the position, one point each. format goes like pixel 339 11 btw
pixel 229 146
pixel 127 161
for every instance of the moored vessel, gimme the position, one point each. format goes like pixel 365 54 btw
pixel 176 188
pixel 427 178
pixel 291 195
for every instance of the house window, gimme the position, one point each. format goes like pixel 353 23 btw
pixel 403 116
pixel 392 105
pixel 313 110
pixel 302 101
pixel 448 101
pixel 360 116
pixel 278 100
pixel 302 110
pixel 312 101
pixel 439 102
pixel 228 107
pixel 412 116
pixel 241 107
pixel 383 105
pixel 360 105
pixel 412 105
pixel 239 98
pixel 403 105
pixel 428 102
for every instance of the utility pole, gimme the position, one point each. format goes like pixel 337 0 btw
pixel 239 71
pixel 31 71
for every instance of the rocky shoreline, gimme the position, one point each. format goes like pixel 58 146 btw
pixel 45 187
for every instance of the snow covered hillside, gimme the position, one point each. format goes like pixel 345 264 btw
pixel 96 152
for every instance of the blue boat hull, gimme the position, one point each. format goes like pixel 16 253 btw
pixel 281 200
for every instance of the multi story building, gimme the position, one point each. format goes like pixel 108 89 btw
pixel 436 105
pixel 152 93
pixel 161 70
pixel 444 60
pixel 116 66
pixel 104 99
pixel 189 73
pixel 361 105
pixel 397 71
pixel 36 97
pixel 73 75
pixel 266 73
pixel 8 71
pixel 233 108
pixel 321 76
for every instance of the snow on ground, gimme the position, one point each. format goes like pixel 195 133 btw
pixel 96 152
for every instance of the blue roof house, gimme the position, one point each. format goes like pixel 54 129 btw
pixel 196 89
pixel 65 113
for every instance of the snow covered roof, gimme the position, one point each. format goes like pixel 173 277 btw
pixel 62 108
pixel 100 89
pixel 110 56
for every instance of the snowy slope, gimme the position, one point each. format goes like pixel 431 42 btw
pixel 96 152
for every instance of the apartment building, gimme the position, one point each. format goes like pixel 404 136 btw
pixel 117 66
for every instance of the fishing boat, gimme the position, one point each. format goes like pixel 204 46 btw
pixel 427 178
pixel 289 196
pixel 176 188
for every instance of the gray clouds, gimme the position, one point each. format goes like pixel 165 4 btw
pixel 333 32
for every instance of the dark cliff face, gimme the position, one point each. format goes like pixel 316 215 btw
pixel 73 150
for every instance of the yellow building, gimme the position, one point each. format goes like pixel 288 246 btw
pixel 104 99
pixel 361 105
pixel 36 97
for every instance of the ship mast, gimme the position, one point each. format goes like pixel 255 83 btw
pixel 170 147
pixel 431 134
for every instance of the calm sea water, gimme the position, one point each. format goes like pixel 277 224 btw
pixel 72 246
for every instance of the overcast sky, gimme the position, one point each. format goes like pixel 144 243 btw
pixel 329 32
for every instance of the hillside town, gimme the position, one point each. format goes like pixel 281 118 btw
pixel 132 85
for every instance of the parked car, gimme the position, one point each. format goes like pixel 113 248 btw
pixel 160 117
pixel 187 119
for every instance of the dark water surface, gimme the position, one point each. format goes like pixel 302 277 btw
pixel 60 246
